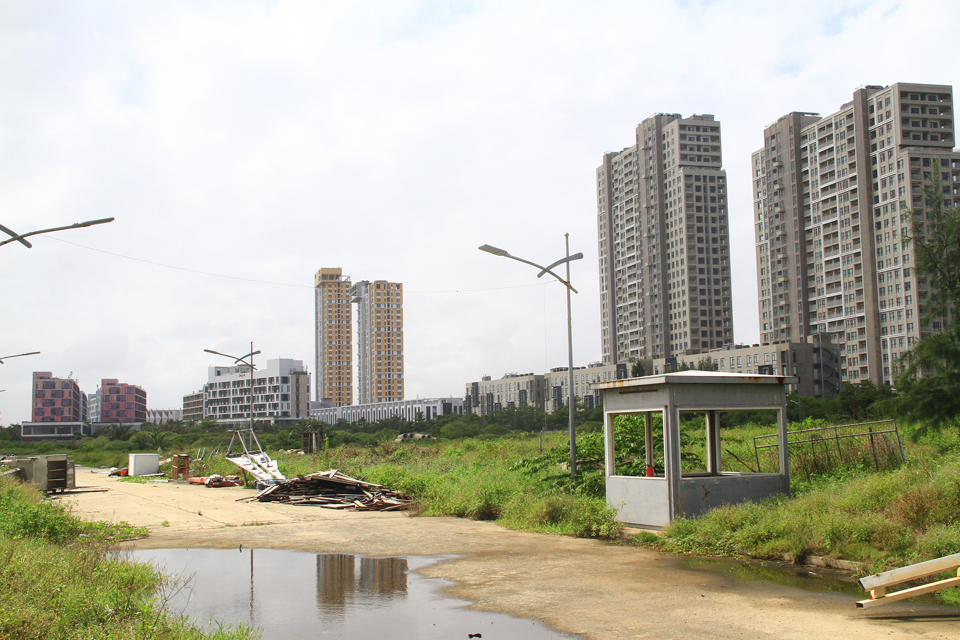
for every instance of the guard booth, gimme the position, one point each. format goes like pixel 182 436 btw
pixel 655 500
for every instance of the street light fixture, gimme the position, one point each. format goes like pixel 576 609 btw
pixel 243 360
pixel 30 353
pixel 21 237
pixel 571 397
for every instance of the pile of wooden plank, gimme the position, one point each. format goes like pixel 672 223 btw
pixel 333 490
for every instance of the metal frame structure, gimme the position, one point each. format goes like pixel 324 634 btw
pixel 655 501
pixel 253 459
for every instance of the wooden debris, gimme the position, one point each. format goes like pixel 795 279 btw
pixel 333 490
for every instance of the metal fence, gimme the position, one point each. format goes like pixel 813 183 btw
pixel 821 449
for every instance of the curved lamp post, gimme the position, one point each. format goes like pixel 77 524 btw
pixel 571 397
pixel 242 360
pixel 30 353
pixel 21 237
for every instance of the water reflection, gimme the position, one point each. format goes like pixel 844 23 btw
pixel 384 576
pixel 337 583
pixel 292 594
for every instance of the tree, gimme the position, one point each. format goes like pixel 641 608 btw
pixel 638 370
pixel 706 363
pixel 929 373
pixel 118 431
pixel 154 436
pixel 854 399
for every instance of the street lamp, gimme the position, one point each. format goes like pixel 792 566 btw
pixel 31 353
pixel 571 397
pixel 242 360
pixel 21 237
pixel 799 409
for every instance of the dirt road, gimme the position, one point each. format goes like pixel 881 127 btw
pixel 601 590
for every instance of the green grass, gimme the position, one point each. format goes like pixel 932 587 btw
pixel 60 580
pixel 883 519
pixel 472 478
pixel 843 506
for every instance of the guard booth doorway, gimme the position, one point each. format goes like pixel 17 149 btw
pixel 655 499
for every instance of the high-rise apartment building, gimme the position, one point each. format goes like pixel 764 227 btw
pixel 333 325
pixel 663 242
pixel 379 340
pixel 832 201
pixel 57 399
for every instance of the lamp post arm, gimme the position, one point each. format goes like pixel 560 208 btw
pixel 31 353
pixel 21 237
pixel 576 256
pixel 544 270
pixel 14 236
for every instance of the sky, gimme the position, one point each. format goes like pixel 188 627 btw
pixel 242 146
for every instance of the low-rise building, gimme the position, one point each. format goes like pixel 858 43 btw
pixel 412 410
pixel 159 416
pixel 53 431
pixel 545 392
pixel 512 390
pixel 815 363
pixel 278 393
pixel 193 406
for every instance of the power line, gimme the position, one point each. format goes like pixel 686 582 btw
pixel 275 284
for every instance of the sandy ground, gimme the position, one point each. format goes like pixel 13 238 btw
pixel 598 589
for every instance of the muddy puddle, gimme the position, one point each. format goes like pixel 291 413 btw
pixel 295 594
pixel 799 577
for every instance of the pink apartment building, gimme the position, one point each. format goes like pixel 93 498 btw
pixel 122 402
pixel 57 399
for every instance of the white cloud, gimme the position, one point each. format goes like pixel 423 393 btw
pixel 266 140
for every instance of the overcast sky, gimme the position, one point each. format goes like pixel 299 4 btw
pixel 242 146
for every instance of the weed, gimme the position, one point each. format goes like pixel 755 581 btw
pixel 60 581
pixel 647 539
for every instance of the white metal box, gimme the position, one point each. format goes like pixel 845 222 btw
pixel 143 464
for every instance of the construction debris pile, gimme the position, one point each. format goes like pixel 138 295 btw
pixel 333 490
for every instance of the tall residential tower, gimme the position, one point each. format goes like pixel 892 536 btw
pixel 333 326
pixel 663 242
pixel 379 340
pixel 832 199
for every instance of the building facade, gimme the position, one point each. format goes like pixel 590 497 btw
pixel 93 406
pixel 281 391
pixel 512 390
pixel 159 416
pixel 832 201
pixel 412 410
pixel 664 245
pixel 116 401
pixel 815 363
pixel 193 406
pixel 333 324
pixel 57 399
pixel 379 341
pixel 546 392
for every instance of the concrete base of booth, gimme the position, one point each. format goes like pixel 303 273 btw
pixel 646 501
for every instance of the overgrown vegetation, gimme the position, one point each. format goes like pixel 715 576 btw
pixel 61 580
pixel 851 511
pixel 474 478
pixel 929 373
